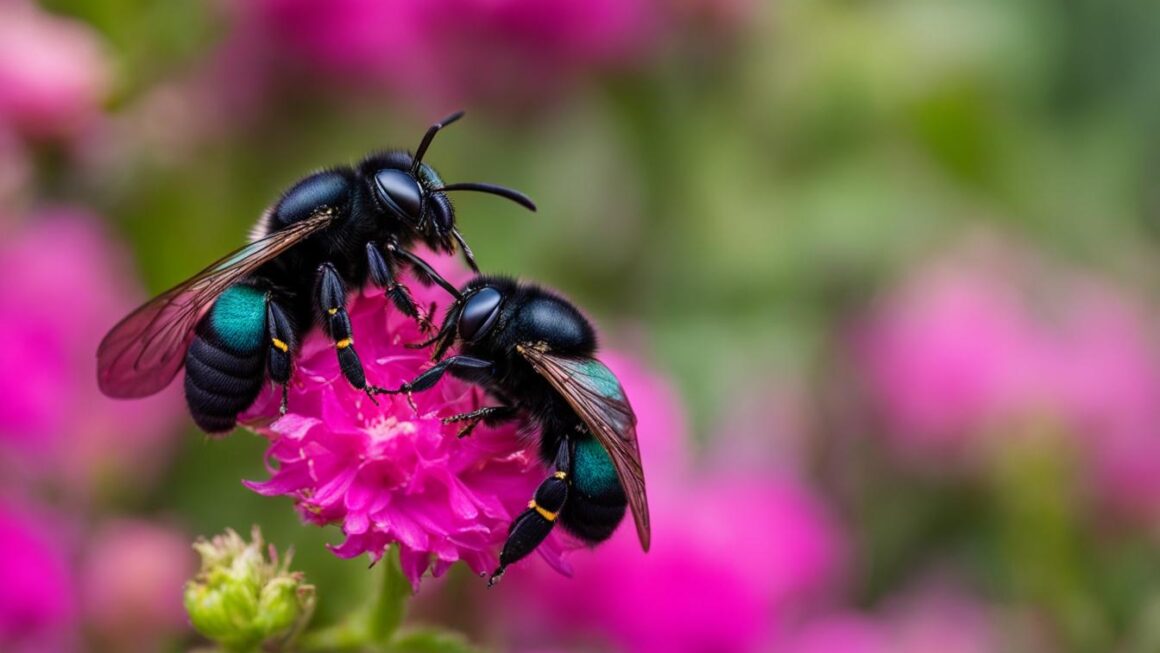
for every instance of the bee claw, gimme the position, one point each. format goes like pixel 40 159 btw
pixel 495 576
pixel 376 390
pixel 371 392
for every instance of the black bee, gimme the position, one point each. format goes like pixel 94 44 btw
pixel 241 319
pixel 533 351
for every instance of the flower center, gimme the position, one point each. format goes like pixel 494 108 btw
pixel 387 427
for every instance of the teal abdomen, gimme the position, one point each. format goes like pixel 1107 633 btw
pixel 592 471
pixel 238 318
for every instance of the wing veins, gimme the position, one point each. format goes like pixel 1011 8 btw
pixel 179 308
pixel 593 408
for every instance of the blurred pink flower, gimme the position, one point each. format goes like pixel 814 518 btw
pixel 132 580
pixel 946 354
pixel 964 350
pixel 1103 364
pixel 54 71
pixel 733 557
pixel 451 52
pixel 36 595
pixel 63 283
pixel 934 619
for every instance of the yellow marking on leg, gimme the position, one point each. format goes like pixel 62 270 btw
pixel 344 343
pixel 550 516
pixel 281 345
pixel 331 311
pixel 560 475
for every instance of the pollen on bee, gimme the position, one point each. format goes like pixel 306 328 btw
pixel 344 343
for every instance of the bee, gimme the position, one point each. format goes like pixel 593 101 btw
pixel 533 351
pixel 241 319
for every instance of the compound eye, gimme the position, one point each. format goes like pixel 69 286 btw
pixel 479 314
pixel 399 191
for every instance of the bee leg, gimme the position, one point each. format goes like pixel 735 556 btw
pixel 468 255
pixel 383 276
pixel 490 415
pixel 336 323
pixel 533 525
pixel 458 365
pixel 423 270
pixel 442 334
pixel 279 363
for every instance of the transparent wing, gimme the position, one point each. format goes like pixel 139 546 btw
pixel 144 351
pixel 598 398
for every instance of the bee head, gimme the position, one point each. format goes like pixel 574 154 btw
pixel 413 193
pixel 416 201
pixel 474 316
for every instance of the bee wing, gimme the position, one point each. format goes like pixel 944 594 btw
pixel 598 398
pixel 144 351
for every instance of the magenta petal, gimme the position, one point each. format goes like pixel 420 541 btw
pixel 356 523
pixel 413 563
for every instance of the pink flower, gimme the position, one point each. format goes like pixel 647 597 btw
pixel 62 285
pixel 946 354
pixel 1103 366
pixel 37 595
pixel 451 52
pixel 934 619
pixel 967 352
pixel 733 557
pixel 54 71
pixel 386 474
pixel 132 580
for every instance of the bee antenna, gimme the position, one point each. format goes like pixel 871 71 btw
pixel 430 136
pixel 502 191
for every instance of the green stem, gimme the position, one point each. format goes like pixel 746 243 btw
pixel 375 628
pixel 390 606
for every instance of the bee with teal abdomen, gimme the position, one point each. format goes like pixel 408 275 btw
pixel 534 352
pixel 239 321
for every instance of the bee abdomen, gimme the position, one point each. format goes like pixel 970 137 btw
pixel 596 503
pixel 224 366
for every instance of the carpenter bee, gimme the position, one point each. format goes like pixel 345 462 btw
pixel 533 351
pixel 241 319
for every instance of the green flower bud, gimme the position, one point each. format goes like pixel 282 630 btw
pixel 241 598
